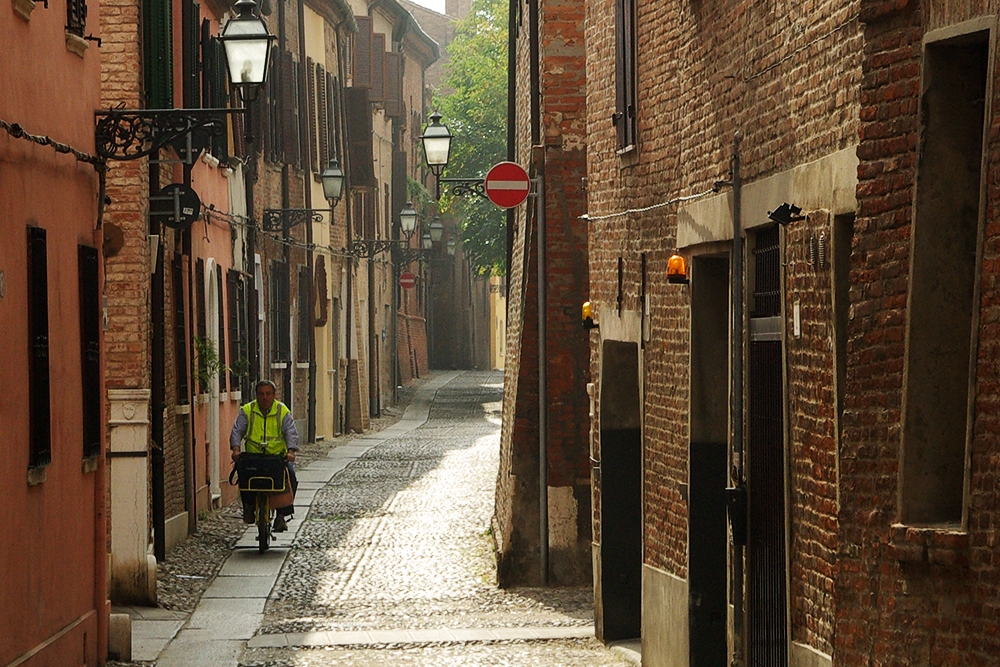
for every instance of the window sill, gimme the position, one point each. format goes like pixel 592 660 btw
pixel 90 464
pixel 76 44
pixel 278 365
pixel 182 409
pixel 302 364
pixel 23 8
pixel 36 475
pixel 933 545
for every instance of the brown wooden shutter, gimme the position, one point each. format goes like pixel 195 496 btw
pixel 378 69
pixel 190 48
pixel 289 110
pixel 363 52
pixel 359 136
pixel 334 116
pixel 399 195
pixel 394 85
pixel 180 329
pixel 312 104
pixel 323 117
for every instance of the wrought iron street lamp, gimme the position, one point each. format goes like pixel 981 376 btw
pixel 436 230
pixel 333 182
pixel 408 219
pixel 452 244
pixel 248 48
pixel 130 134
pixel 437 147
pixel 428 243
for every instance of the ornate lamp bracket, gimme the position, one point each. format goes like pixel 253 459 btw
pixel 463 187
pixel 129 134
pixel 280 219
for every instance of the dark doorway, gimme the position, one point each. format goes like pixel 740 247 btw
pixel 619 594
pixel 707 461
pixel 767 643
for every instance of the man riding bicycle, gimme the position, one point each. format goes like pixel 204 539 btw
pixel 267 427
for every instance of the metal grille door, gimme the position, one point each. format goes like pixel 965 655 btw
pixel 767 644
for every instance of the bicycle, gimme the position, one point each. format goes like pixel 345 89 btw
pixel 265 476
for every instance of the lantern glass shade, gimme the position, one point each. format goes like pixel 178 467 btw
pixel 408 219
pixel 451 246
pixel 428 243
pixel 333 181
pixel 436 230
pixel 437 144
pixel 248 46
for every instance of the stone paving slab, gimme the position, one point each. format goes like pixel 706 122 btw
pixel 197 652
pixel 240 586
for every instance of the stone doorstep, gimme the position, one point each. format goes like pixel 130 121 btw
pixel 427 636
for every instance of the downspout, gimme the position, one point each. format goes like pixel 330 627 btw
pixel 348 199
pixel 511 119
pixel 101 554
pixel 157 377
pixel 311 409
pixel 374 376
pixel 736 395
pixel 283 323
pixel 543 447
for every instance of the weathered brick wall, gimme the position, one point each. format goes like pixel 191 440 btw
pixel 127 273
pixel 907 596
pixel 785 75
pixel 812 434
pixel 562 165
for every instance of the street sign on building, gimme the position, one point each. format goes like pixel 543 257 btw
pixel 507 184
pixel 407 280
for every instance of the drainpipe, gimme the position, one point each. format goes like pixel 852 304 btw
pixel 311 333
pixel 543 462
pixel 157 376
pixel 736 394
pixel 511 118
pixel 348 199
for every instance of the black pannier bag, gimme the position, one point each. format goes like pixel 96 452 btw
pixel 260 472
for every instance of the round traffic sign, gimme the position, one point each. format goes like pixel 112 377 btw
pixel 507 184
pixel 407 280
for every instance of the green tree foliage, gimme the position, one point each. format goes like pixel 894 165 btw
pixel 476 114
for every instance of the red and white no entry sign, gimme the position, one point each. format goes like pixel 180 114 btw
pixel 407 280
pixel 507 184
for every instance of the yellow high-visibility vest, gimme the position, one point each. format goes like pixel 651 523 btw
pixel 264 434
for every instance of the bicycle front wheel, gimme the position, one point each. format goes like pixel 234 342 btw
pixel 263 523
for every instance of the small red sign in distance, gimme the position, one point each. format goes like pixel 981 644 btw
pixel 407 280
pixel 507 184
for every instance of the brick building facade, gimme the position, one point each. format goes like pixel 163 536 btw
pixel 550 139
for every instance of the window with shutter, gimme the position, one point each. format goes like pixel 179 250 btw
pixel 359 137
pixel 289 127
pixel 157 60
pixel 334 116
pixel 280 339
pixel 76 16
pixel 39 415
pixel 90 349
pixel 394 85
pixel 362 57
pixel 180 329
pixel 313 105
pixel 222 328
pixel 190 49
pixel 378 69
pixel 323 116
pixel 625 116
pixel 304 312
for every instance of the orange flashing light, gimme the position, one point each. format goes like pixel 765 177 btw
pixel 677 270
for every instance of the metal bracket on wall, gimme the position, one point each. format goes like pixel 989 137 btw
pixel 278 219
pixel 130 134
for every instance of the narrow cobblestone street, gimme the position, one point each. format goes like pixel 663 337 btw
pixel 392 562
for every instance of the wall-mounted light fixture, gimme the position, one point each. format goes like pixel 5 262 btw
pixel 248 49
pixel 436 140
pixel 677 270
pixel 333 182
pixel 588 316
pixel 785 214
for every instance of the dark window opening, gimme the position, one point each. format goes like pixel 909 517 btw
pixel 39 407
pixel 625 119
pixel 76 17
pixel 304 316
pixel 157 34
pixel 280 342
pixel 944 260
pixel 90 350
pixel 180 330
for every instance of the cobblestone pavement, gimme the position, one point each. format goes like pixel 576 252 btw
pixel 399 540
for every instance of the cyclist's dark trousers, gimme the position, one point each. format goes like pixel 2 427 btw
pixel 248 496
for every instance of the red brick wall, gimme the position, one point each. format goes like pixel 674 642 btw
pixel 562 165
pixel 909 596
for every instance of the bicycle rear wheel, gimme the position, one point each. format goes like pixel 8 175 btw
pixel 263 523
